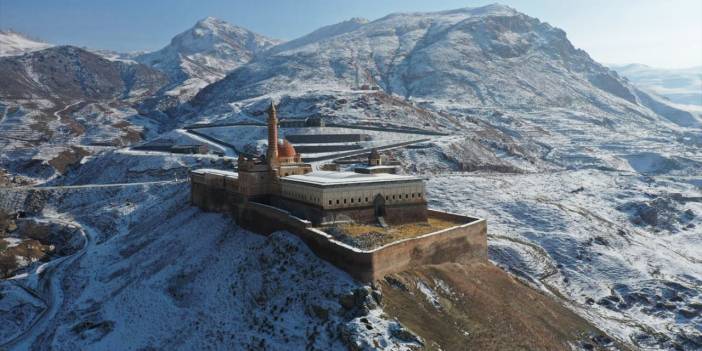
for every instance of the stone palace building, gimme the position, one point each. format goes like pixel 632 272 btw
pixel 371 194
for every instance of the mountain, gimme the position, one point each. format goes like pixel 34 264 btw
pixel 681 86
pixel 69 96
pixel 13 43
pixel 204 54
pixel 67 73
pixel 491 56
pixel 589 183
pixel 320 34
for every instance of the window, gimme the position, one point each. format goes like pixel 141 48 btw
pixel 359 200
pixel 344 200
pixel 393 197
pixel 337 201
pixel 386 197
pixel 413 195
pixel 330 202
pixel 351 200
pixel 366 199
pixel 406 196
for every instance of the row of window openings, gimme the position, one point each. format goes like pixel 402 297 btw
pixel 387 197
pixel 301 196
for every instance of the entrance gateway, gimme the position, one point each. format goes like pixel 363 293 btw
pixel 379 205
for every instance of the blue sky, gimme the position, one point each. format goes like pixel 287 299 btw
pixel 654 32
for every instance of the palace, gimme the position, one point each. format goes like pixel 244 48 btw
pixel 278 191
pixel 372 194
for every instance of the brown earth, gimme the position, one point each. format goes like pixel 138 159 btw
pixel 376 236
pixel 68 158
pixel 480 307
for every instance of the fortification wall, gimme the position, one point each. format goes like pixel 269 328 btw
pixel 461 243
pixel 399 213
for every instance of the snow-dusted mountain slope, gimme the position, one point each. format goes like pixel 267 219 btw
pixel 204 54
pixel 320 34
pixel 65 96
pixel 491 56
pixel 592 188
pixel 144 281
pixel 680 86
pixel 13 43
pixel 67 73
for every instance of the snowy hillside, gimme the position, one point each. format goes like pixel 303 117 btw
pixel 491 56
pixel 12 43
pixel 591 186
pixel 680 86
pixel 204 54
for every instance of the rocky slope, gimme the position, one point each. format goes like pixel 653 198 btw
pixel 67 74
pixel 204 54
pixel 55 99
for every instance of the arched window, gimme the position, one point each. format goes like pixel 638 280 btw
pixel 337 201
pixel 330 202
pixel 344 200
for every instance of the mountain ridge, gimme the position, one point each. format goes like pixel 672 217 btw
pixel 486 56
pixel 204 53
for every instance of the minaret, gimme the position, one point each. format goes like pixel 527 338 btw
pixel 272 153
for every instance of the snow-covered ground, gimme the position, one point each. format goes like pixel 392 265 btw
pixel 580 235
pixel 150 277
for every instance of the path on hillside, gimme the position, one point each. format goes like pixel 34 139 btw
pixel 83 186
pixel 48 278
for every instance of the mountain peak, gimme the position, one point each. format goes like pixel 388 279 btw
pixel 205 53
pixel 213 23
pixel 15 43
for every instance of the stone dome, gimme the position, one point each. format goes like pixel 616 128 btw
pixel 285 149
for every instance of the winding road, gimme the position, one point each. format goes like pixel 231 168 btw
pixel 48 288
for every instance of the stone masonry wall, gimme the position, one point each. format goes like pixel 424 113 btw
pixel 462 243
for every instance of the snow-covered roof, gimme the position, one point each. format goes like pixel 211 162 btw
pixel 330 178
pixel 216 171
pixel 378 167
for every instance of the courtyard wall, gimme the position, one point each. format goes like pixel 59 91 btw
pixel 462 243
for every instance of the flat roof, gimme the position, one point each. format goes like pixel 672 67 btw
pixel 377 167
pixel 329 178
pixel 216 171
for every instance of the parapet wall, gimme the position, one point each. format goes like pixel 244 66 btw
pixel 461 243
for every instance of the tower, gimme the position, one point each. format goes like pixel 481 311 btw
pixel 374 158
pixel 272 153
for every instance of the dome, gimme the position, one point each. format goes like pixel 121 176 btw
pixel 285 149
